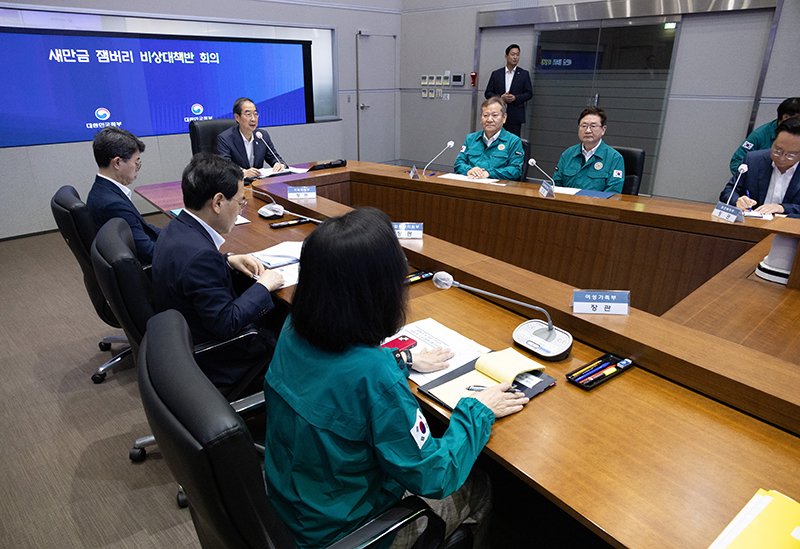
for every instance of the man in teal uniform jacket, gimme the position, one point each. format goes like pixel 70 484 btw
pixel 493 152
pixel 591 164
pixel 762 137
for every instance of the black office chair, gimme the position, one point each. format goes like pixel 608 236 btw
pixel 526 148
pixel 634 169
pixel 129 293
pixel 76 225
pixel 203 133
pixel 211 453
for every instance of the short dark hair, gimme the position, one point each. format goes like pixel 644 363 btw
pixel 790 125
pixel 511 47
pixel 112 142
pixel 206 175
pixel 790 106
pixel 237 105
pixel 494 99
pixel 593 110
pixel 351 289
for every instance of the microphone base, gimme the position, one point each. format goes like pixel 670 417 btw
pixel 535 336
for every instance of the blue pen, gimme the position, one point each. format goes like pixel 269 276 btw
pixel 593 371
pixel 748 196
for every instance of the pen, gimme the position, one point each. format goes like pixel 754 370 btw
pixel 590 365
pixel 601 374
pixel 748 196
pixel 476 387
pixel 593 371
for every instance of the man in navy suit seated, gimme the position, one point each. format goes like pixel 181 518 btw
pixel 249 151
pixel 192 276
pixel 118 156
pixel 772 179
pixel 513 85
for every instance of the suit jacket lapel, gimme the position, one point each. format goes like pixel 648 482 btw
pixel 238 142
pixel 794 187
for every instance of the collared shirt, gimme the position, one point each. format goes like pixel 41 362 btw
pixel 509 78
pixel 588 154
pixel 121 187
pixel 215 236
pixel 778 183
pixel 248 147
pixel 490 140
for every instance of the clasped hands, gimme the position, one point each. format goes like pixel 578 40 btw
pixel 477 173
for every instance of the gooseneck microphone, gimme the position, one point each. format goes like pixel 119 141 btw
pixel 274 154
pixel 449 146
pixel 741 169
pixel 532 163
pixel 544 340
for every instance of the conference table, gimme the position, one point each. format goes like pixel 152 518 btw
pixel 664 455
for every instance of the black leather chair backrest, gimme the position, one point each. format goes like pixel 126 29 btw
pixel 205 443
pixel 76 225
pixel 634 169
pixel 125 285
pixel 526 148
pixel 203 133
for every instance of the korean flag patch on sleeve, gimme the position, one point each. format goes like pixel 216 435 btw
pixel 747 145
pixel 618 173
pixel 420 431
pixel 463 148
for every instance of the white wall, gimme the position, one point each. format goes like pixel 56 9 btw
pixel 29 176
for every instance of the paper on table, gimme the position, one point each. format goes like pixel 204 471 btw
pixel 290 274
pixel 459 177
pixel 280 254
pixel 430 334
pixel 241 220
pixel 267 172
pixel 566 190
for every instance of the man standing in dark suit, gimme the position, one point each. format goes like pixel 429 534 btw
pixel 192 276
pixel 244 146
pixel 771 180
pixel 118 156
pixel 513 85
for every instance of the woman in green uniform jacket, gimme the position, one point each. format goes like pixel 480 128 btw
pixel 345 436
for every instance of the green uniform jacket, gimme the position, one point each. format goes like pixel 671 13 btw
pixel 339 444
pixel 503 159
pixel 604 171
pixel 759 139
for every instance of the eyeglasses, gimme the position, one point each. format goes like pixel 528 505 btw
pixel 491 115
pixel 248 114
pixel 242 205
pixel 777 153
pixel 592 127
pixel 138 163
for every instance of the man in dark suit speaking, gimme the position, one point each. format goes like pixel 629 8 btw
pixel 118 156
pixel 192 276
pixel 513 85
pixel 771 180
pixel 244 146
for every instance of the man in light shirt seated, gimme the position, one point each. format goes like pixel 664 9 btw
pixel 240 144
pixel 118 156
pixel 771 179
pixel 591 164
pixel 494 152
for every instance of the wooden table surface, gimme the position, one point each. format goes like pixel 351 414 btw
pixel 642 461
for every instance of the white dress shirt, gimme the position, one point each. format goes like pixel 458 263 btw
pixel 778 183
pixel 215 236
pixel 509 78
pixel 122 187
pixel 248 147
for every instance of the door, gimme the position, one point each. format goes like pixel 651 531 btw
pixel 376 97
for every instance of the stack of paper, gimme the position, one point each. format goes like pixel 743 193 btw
pixel 283 258
pixel 770 519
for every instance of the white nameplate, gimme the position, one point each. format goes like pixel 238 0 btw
pixel 407 230
pixel 302 192
pixel 414 174
pixel 546 190
pixel 601 302
pixel 728 213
